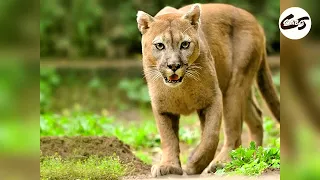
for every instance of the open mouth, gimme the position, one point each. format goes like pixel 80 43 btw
pixel 173 79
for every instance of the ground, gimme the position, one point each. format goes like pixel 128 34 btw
pixel 81 147
pixel 134 139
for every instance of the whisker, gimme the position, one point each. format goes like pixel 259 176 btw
pixel 149 73
pixel 194 70
pixel 194 67
pixel 152 72
pixel 152 79
pixel 195 73
pixel 195 64
pixel 156 76
pixel 192 75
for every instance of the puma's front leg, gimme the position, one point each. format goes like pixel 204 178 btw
pixel 210 118
pixel 168 126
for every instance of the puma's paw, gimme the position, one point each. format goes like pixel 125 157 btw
pixel 161 170
pixel 191 169
pixel 218 163
pixel 213 166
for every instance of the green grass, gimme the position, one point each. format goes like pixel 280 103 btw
pixel 92 168
pixel 138 134
pixel 252 160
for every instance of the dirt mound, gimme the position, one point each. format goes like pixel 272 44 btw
pixel 82 147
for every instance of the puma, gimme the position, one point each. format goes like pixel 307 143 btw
pixel 205 58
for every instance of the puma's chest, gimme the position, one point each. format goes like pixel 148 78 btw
pixel 185 99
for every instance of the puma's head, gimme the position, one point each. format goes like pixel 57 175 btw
pixel 170 44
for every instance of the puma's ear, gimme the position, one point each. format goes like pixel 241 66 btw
pixel 193 15
pixel 144 20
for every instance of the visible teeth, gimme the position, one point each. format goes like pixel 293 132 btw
pixel 173 81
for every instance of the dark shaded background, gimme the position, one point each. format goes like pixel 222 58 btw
pixel 107 29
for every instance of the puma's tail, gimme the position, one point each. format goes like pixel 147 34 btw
pixel 267 88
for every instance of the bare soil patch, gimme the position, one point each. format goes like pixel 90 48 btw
pixel 81 147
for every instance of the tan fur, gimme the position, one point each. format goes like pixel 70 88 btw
pixel 227 49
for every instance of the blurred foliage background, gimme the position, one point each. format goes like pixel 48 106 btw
pixel 107 29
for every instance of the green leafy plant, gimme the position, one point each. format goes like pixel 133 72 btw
pixel 76 124
pixel 140 134
pixel 252 160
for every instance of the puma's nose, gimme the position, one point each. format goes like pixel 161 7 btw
pixel 174 67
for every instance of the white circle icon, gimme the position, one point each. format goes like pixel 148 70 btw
pixel 295 23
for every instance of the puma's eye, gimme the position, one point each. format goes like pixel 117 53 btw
pixel 185 45
pixel 159 46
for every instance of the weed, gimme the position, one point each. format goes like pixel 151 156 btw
pixel 252 160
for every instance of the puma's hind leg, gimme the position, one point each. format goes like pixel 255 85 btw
pixel 247 110
pixel 246 60
pixel 253 119
pixel 234 102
